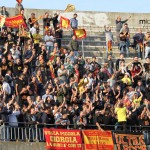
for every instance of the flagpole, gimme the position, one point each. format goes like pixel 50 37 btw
pixel 82 49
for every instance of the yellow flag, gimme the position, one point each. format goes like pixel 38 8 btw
pixel 64 22
pixel 2 21
pixel 80 33
pixel 70 8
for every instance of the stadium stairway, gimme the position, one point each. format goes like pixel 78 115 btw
pixel 95 44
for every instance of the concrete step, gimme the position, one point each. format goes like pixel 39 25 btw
pixel 90 43
pixel 98 48
pixel 102 60
pixel 97 33
pixel 104 55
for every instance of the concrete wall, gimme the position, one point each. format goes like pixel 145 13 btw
pixel 89 18
pixel 28 146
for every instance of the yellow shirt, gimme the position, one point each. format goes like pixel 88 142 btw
pixel 37 38
pixel 121 114
pixel 128 80
pixel 137 101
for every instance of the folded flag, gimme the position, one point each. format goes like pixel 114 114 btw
pixel 23 32
pixel 2 21
pixel 19 1
pixel 80 33
pixel 64 22
pixel 15 22
pixel 70 8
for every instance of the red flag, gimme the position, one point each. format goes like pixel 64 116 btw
pixel 19 1
pixel 15 22
pixel 80 33
pixel 64 22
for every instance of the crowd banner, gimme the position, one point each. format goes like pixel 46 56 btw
pixel 97 140
pixel 15 21
pixel 59 139
pixel 129 141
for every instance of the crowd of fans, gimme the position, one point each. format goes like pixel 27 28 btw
pixel 42 82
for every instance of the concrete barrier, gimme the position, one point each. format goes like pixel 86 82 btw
pixel 30 146
pixel 95 19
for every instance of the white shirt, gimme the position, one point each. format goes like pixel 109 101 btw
pixel 47 38
pixel 15 54
pixel 13 119
pixel 33 30
pixel 6 87
pixel 89 85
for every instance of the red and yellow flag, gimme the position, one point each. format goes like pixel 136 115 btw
pixel 2 21
pixel 23 32
pixel 80 33
pixel 19 1
pixel 15 22
pixel 109 46
pixel 64 22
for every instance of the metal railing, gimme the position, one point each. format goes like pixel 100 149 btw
pixel 33 133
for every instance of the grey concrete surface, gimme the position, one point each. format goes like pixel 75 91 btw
pixel 95 19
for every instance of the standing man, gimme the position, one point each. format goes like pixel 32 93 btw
pixel 74 46
pixel 74 22
pixel 119 24
pixel 18 8
pixel 109 39
pixel 138 41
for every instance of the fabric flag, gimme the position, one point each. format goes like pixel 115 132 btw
pixel 80 33
pixel 19 1
pixel 70 8
pixel 2 21
pixel 23 32
pixel 15 21
pixel 109 46
pixel 64 22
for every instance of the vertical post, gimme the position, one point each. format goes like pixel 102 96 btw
pixel 82 49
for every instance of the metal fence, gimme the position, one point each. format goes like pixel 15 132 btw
pixel 34 133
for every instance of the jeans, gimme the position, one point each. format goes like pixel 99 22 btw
pixel 138 50
pixel 49 50
pixel 76 54
pixel 124 48
pixel 147 51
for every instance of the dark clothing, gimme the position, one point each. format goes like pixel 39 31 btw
pixel 55 21
pixel 18 69
pixel 146 67
pixel 119 24
pixel 118 63
pixel 4 13
pixel 46 22
pixel 139 37
pixel 4 68
pixel 74 45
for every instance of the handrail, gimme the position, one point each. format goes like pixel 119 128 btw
pixel 27 123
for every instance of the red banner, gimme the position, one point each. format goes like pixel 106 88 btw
pixel 130 141
pixel 58 139
pixel 15 21
pixel 97 140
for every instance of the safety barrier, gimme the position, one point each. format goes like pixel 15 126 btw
pixel 33 133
